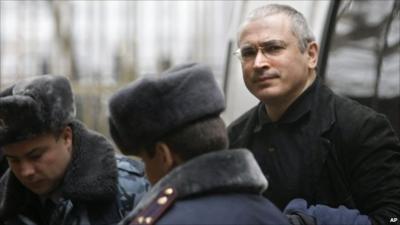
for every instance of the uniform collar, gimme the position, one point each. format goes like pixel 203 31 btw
pixel 237 171
pixel 298 109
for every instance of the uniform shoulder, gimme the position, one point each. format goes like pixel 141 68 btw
pixel 156 208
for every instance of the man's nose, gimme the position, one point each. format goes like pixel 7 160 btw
pixel 26 169
pixel 261 60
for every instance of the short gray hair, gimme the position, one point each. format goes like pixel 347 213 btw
pixel 299 25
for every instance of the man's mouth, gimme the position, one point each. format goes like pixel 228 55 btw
pixel 264 76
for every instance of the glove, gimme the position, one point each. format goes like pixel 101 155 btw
pixel 325 215
pixel 299 218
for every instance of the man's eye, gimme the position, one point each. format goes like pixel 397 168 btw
pixel 35 157
pixel 248 52
pixel 273 48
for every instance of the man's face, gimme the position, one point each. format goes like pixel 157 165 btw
pixel 283 71
pixel 153 166
pixel 161 163
pixel 40 163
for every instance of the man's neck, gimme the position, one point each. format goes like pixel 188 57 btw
pixel 54 195
pixel 275 109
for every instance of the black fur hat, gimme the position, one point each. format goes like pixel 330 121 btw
pixel 150 108
pixel 34 106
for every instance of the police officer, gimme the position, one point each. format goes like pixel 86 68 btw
pixel 60 171
pixel 173 124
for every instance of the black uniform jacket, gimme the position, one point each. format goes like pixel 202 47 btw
pixel 354 157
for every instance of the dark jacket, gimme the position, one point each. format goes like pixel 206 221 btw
pixel 222 187
pixel 98 188
pixel 355 155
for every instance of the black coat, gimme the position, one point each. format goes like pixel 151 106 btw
pixel 222 187
pixel 355 155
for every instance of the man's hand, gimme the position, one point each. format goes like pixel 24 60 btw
pixel 299 213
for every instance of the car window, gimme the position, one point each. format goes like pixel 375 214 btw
pixel 364 56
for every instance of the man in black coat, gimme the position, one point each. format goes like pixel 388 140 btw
pixel 340 158
pixel 60 171
pixel 173 124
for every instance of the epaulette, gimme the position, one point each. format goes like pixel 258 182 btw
pixel 156 208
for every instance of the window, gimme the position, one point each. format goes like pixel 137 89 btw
pixel 364 56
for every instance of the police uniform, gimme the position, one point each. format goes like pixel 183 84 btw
pixel 212 186
pixel 222 187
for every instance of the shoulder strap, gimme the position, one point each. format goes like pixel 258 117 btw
pixel 156 208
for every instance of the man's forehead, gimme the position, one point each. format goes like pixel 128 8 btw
pixel 269 27
pixel 24 147
pixel 264 43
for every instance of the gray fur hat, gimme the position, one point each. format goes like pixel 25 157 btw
pixel 148 109
pixel 34 106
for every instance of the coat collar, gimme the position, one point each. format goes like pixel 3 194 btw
pixel 299 108
pixel 225 170
pixel 91 175
pixel 241 130
pixel 323 108
pixel 320 102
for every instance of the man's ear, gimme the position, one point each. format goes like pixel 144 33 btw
pixel 166 156
pixel 312 52
pixel 66 136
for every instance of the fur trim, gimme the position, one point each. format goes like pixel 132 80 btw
pixel 225 171
pixel 93 174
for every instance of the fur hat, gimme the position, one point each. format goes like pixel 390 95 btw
pixel 148 109
pixel 34 106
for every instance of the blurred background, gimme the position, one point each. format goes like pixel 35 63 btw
pixel 102 45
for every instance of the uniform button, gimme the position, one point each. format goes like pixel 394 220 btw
pixel 140 219
pixel 148 220
pixel 169 191
pixel 271 149
pixel 162 200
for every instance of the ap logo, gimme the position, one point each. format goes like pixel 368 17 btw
pixel 393 220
